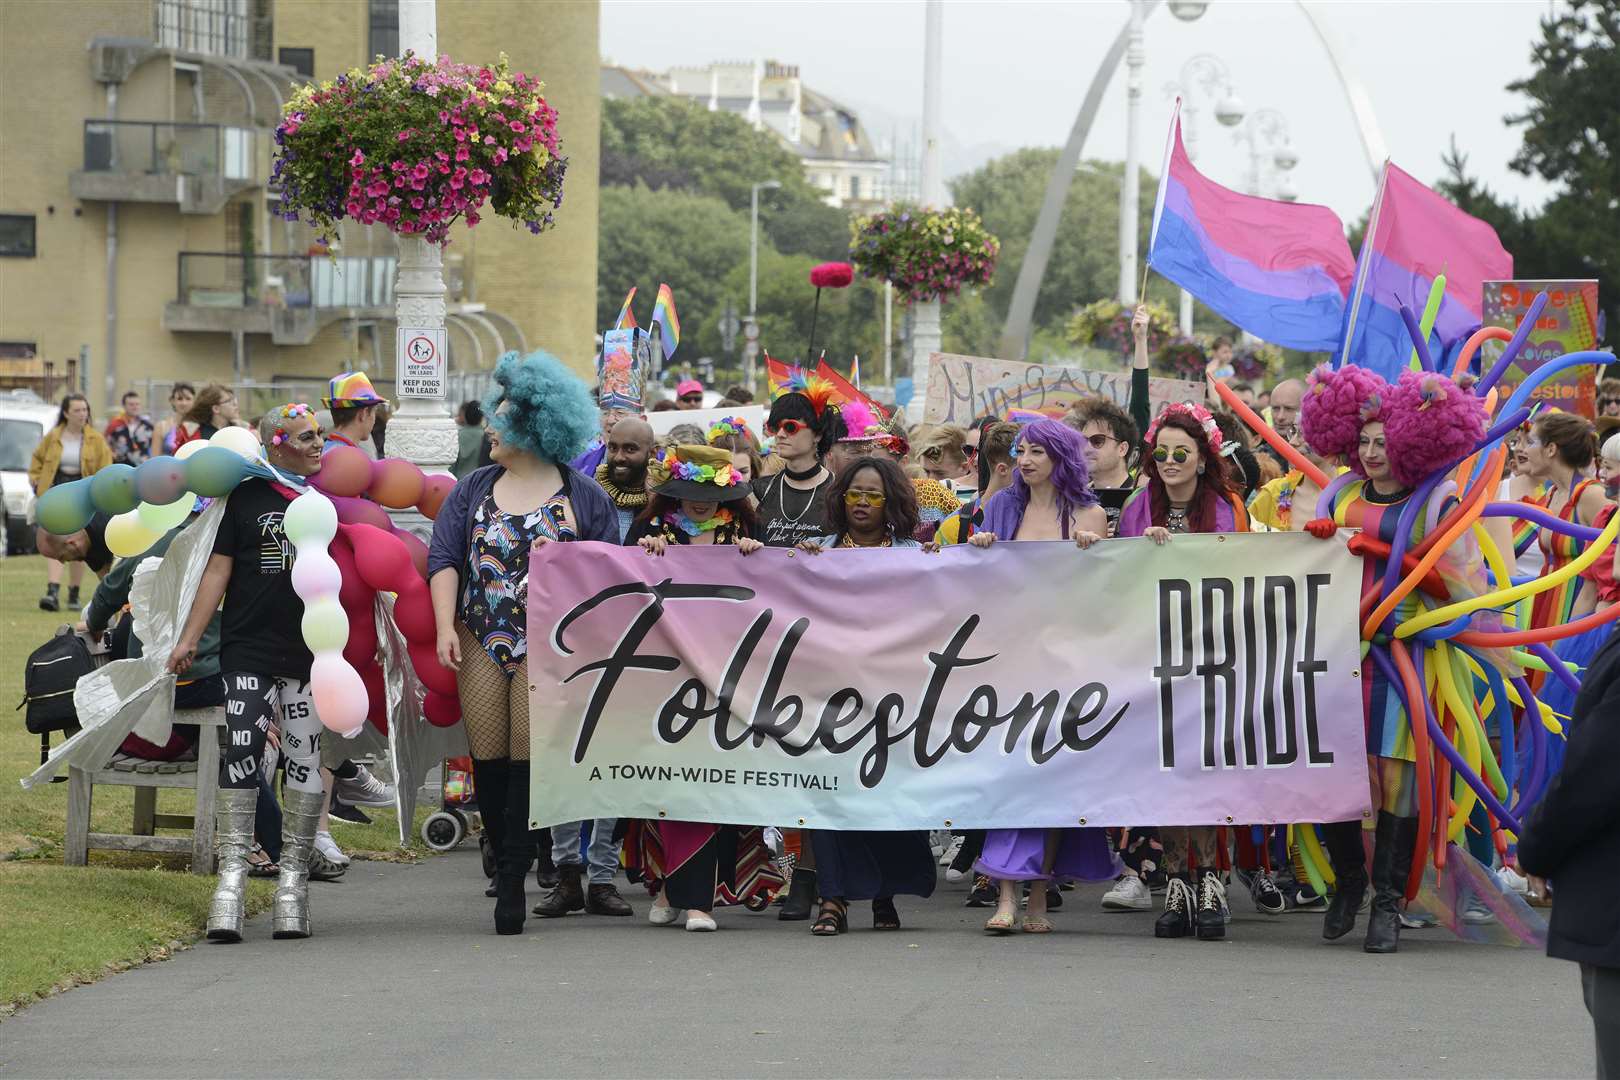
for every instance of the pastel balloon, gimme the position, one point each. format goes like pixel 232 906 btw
pixel 345 470
pixel 435 489
pixel 397 483
pixel 161 480
pixel 384 563
pixel 325 625
pixel 310 518
pixel 440 710
pixel 65 508
pixel 340 695
pixel 434 675
pixel 418 550
pixel 213 471
pixel 352 511
pixel 314 575
pixel 413 614
pixel 195 446
pixel 238 440
pixel 161 518
pixel 127 537
pixel 113 489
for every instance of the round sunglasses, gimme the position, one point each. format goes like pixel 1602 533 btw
pixel 1178 455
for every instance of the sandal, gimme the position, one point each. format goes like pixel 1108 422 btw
pixel 260 864
pixel 884 915
pixel 1037 924
pixel 833 920
pixel 999 923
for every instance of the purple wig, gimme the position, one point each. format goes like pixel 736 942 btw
pixel 1070 478
pixel 1336 405
pixel 1431 423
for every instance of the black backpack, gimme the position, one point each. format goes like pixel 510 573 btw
pixel 53 670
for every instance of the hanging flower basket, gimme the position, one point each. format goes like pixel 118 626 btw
pixel 925 254
pixel 1106 324
pixel 415 145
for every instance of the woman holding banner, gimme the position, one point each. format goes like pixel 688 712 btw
pixel 872 505
pixel 1050 499
pixel 698 498
pixel 1188 491
pixel 540 416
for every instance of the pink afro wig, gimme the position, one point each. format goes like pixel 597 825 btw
pixel 1431 424
pixel 1336 405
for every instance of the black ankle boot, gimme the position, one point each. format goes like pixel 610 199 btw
pixel 801 895
pixel 1349 859
pixel 73 598
pixel 517 852
pixel 1393 845
pixel 489 788
pixel 51 600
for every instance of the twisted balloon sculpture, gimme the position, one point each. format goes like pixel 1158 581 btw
pixel 1456 679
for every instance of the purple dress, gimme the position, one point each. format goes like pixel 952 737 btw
pixel 1020 854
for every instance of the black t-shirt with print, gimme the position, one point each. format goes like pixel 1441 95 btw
pixel 789 515
pixel 261 629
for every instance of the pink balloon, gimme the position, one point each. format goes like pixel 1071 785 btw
pixel 384 562
pixel 361 649
pixel 418 550
pixel 434 675
pixel 377 713
pixel 413 614
pixel 339 693
pixel 345 470
pixel 434 492
pixel 441 710
pixel 362 512
pixel 355 595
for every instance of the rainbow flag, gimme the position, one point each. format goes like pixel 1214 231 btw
pixel 855 371
pixel 627 318
pixel 1413 236
pixel 1279 270
pixel 664 316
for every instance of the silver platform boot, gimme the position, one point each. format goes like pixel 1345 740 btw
pixel 233 838
pixel 300 814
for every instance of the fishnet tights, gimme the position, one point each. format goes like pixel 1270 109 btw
pixel 496 708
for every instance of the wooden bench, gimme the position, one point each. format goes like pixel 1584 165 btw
pixel 201 775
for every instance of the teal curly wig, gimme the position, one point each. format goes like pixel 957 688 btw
pixel 551 415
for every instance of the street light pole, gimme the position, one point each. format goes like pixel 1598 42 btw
pixel 1129 191
pixel 751 339
pixel 925 329
pixel 422 430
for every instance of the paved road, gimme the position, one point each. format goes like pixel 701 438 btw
pixel 406 977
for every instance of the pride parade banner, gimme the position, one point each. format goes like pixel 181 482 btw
pixel 1212 680
pixel 963 388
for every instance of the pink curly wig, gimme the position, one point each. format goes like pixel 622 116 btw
pixel 1430 423
pixel 1336 405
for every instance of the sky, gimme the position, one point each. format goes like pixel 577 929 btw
pixel 1015 73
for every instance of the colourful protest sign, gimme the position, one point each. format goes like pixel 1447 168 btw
pixel 1030 684
pixel 1567 324
pixel 963 388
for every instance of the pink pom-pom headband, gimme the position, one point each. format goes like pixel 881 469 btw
pixel 289 412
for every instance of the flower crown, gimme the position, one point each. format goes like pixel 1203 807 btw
pixel 1195 412
pixel 289 412
pixel 673 467
pixel 730 425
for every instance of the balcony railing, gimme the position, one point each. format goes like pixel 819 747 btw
pixel 230 280
pixel 155 148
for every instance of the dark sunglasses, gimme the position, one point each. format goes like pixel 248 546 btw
pixel 1179 454
pixel 789 428
pixel 1605 402
pixel 1100 441
pixel 692 397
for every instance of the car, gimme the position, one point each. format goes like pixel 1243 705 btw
pixel 22 424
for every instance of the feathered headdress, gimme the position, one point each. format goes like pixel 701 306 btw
pixel 860 423
pixel 819 391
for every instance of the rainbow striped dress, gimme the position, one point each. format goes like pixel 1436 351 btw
pixel 1559 605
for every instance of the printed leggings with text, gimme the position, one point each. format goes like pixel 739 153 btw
pixel 252 703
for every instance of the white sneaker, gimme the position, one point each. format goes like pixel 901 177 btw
pixel 1130 893
pixel 329 850
pixel 953 875
pixel 1513 881
pixel 1475 913
pixel 661 914
pixel 948 856
pixel 699 922
pixel 363 789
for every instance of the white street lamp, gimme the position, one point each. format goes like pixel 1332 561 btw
pixel 1188 10
pixel 1266 130
pixel 751 339
pixel 1210 75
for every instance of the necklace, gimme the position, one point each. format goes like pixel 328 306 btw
pixel 781 501
pixel 849 542
pixel 624 500
pixel 1176 519
pixel 806 474
pixel 680 521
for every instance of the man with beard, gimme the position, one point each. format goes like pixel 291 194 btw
pixel 623 471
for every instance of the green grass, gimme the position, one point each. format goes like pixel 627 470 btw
pixel 60 924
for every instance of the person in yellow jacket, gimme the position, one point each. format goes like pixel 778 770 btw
pixel 70 450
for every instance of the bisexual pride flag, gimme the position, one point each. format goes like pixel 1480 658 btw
pixel 1279 270
pixel 1414 235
